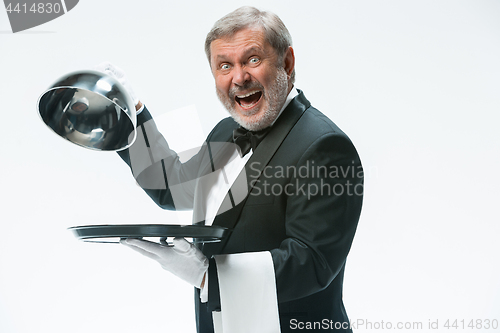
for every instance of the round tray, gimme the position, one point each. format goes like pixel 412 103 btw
pixel 106 232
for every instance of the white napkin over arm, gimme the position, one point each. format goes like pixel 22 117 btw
pixel 248 296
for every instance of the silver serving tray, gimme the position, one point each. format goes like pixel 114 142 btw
pixel 112 233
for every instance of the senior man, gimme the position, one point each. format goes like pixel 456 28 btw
pixel 291 192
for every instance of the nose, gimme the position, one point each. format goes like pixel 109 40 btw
pixel 240 75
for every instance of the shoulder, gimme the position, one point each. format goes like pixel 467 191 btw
pixel 314 126
pixel 312 123
pixel 319 123
pixel 315 136
pixel 223 131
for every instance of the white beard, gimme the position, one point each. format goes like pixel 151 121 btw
pixel 275 96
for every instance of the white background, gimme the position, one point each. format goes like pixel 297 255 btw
pixel 415 84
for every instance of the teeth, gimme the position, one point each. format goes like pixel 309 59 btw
pixel 249 94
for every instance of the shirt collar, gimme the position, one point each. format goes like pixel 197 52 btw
pixel 291 95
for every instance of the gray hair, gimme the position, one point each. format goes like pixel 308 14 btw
pixel 275 31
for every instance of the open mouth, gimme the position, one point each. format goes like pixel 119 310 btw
pixel 247 101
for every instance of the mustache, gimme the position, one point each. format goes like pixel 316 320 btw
pixel 233 91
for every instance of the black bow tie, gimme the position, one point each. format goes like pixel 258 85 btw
pixel 247 140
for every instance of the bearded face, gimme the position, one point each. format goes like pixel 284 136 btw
pixel 250 79
pixel 257 115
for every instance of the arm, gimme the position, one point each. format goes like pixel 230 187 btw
pixel 155 166
pixel 158 170
pixel 321 223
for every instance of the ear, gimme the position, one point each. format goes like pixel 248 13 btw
pixel 289 61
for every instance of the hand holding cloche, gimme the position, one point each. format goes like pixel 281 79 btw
pixel 117 73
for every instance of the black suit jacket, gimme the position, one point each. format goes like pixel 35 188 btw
pixel 305 183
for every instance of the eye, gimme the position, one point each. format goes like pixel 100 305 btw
pixel 225 66
pixel 254 60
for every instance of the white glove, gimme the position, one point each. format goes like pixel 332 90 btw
pixel 117 73
pixel 183 259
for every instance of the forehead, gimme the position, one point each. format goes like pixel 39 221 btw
pixel 238 44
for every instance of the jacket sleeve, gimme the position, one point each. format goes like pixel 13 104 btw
pixel 322 213
pixel 157 168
